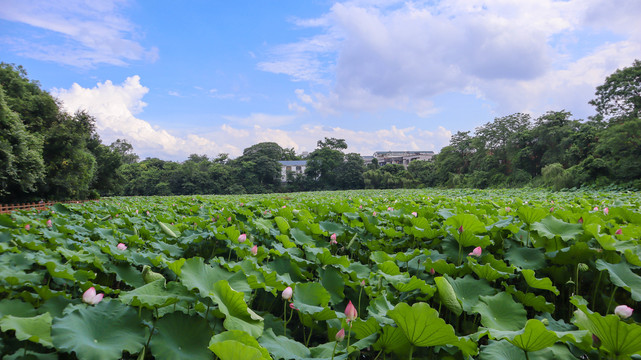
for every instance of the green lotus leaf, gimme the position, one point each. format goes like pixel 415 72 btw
pixel 579 252
pixel 531 215
pixel 468 289
pixel 380 257
pixel 617 337
pixel 378 309
pixel 535 336
pixel 544 283
pixel 363 329
pixel 440 266
pixel 282 224
pixel 332 228
pixel 413 283
pixel 237 315
pixel 501 312
pixel 389 268
pixel 312 298
pixel 176 266
pixel 551 227
pixel 157 295
pixel 24 354
pixel 392 340
pixel 333 282
pixel 537 302
pixel 180 336
pixel 501 350
pixel 622 276
pixel 486 271
pixel 221 345
pixel 100 332
pixel 448 295
pixel 421 325
pixel 171 250
pixel 288 271
pixel 36 329
pixel 526 258
pixel 168 229
pixel 301 238
pixel 16 307
pixel 263 225
pixel 408 255
pixel 325 257
pixel 196 274
pixel 469 222
pixel 282 347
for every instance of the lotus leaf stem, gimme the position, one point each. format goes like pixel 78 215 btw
pixel 614 289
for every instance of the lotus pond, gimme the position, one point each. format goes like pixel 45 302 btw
pixel 422 274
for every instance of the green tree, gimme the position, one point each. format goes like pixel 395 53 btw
pixel 322 162
pixel 349 174
pixel 21 163
pixel 620 96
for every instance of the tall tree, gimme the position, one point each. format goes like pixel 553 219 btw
pixel 322 162
pixel 620 96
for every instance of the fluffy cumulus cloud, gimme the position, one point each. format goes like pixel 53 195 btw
pixel 75 32
pixel 118 110
pixel 389 54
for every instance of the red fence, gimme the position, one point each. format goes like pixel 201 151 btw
pixel 7 208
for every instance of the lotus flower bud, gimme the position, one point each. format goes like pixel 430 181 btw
pixel 27 227
pixel 596 208
pixel 619 232
pixel 90 297
pixel 606 211
pixel 333 237
pixel 340 335
pixel 254 250
pixel 242 238
pixel 623 311
pixel 581 220
pixel 229 219
pixel 49 223
pixel 287 293
pixel 390 208
pixel 596 342
pixel 121 246
pixel 460 229
pixel 350 312
pixel 415 213
pixel 374 213
pixel 476 252
pixel 432 272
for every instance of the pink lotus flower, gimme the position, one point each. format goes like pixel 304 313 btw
pixel 136 211
pixel 374 213
pixel 241 204
pixel 362 282
pixel 596 208
pixel 90 296
pixel 284 206
pixel 581 220
pixel 27 227
pixel 414 213
pixel 390 208
pixel 147 213
pixel 229 219
pixel 121 246
pixel 350 312
pixel 508 209
pixel 606 211
pixel 552 209
pixel 254 250
pixel 333 237
pixel 291 306
pixel 619 231
pixel 49 223
pixel 242 238
pixel 360 206
pixel 333 242
pixel 287 293
pixel 623 311
pixel 432 272
pixel 460 229
pixel 340 335
pixel 476 252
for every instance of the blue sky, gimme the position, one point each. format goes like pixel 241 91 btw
pixel 209 77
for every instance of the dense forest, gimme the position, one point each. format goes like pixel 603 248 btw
pixel 48 154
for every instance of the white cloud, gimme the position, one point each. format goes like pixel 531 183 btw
pixel 390 54
pixel 117 109
pixel 87 32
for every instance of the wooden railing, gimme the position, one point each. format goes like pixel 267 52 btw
pixel 8 208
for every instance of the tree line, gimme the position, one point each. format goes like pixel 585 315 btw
pixel 46 153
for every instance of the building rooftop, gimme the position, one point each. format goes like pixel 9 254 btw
pixel 293 162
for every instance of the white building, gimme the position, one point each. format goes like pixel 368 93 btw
pixel 402 157
pixel 293 166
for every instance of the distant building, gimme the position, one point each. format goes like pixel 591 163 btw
pixel 402 157
pixel 293 166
